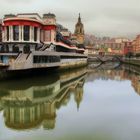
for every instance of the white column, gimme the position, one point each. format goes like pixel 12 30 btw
pixel 53 35
pixel 31 33
pixel 4 34
pixel 42 36
pixel 20 33
pixel 22 115
pixel 12 115
pixel 38 34
pixel 11 34
pixel 32 114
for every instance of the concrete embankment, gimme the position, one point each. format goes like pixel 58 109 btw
pixel 64 65
pixel 72 64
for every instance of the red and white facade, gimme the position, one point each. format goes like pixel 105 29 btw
pixel 29 28
pixel 30 31
pixel 14 30
pixel 45 28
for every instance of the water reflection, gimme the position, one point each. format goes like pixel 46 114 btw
pixel 32 103
pixel 94 103
pixel 106 65
pixel 117 72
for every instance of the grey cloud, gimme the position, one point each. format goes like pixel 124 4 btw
pixel 101 17
pixel 129 14
pixel 18 1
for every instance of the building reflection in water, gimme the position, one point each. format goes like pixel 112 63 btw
pixel 124 72
pixel 32 103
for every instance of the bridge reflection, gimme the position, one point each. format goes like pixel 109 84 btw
pixel 105 58
pixel 33 103
pixel 104 66
pixel 115 71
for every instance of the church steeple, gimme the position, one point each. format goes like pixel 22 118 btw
pixel 79 30
pixel 79 94
pixel 79 19
pixel 79 27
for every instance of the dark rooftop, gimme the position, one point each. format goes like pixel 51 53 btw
pixel 49 15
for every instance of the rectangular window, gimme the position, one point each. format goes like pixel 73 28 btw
pixel 46 59
pixel 35 33
pixel 16 33
pixel 7 32
pixel 26 33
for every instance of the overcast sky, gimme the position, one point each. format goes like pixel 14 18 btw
pixel 100 17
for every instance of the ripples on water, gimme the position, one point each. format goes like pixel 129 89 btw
pixel 100 102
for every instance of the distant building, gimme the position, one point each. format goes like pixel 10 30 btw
pixel 118 46
pixel 79 31
pixel 136 45
pixel 89 50
pixel 66 33
pixel 121 39
pixel 113 47
pixel 128 48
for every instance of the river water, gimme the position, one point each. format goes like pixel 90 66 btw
pixel 93 103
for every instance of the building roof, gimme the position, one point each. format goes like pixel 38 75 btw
pixel 22 19
pixel 49 15
pixel 9 15
pixel 30 15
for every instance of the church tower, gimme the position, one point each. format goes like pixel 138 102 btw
pixel 79 94
pixel 79 31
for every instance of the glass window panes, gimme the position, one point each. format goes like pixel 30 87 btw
pixel 26 33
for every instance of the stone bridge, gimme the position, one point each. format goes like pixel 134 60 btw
pixel 105 58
